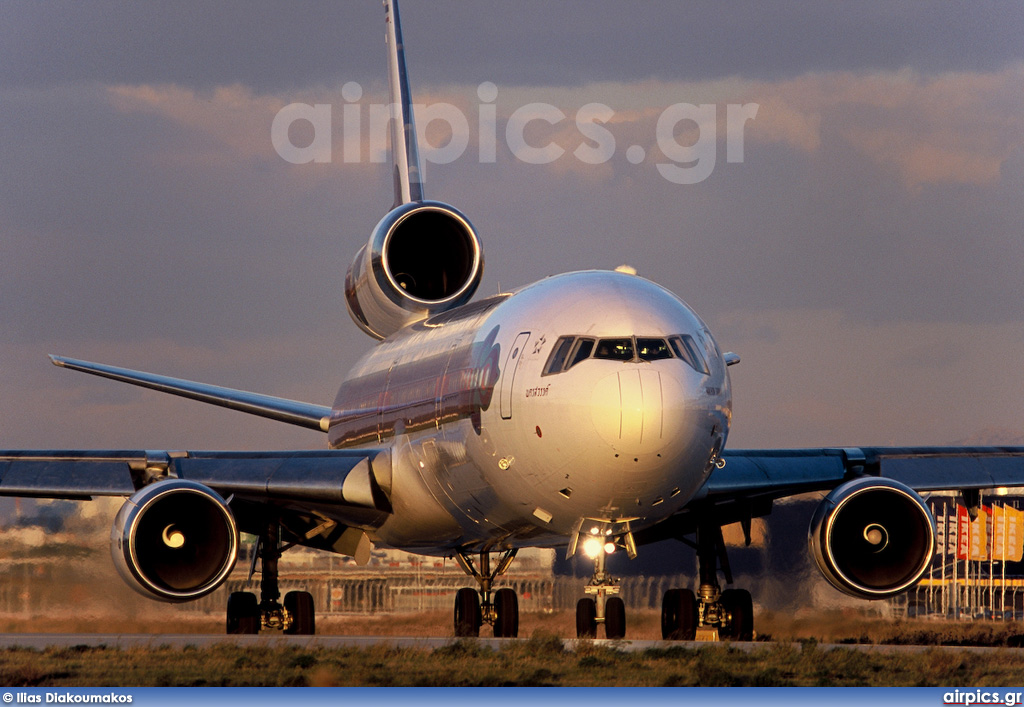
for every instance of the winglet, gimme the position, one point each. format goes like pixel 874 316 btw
pixel 405 154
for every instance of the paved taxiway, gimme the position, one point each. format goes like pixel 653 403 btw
pixel 40 641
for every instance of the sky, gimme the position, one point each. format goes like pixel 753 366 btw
pixel 865 257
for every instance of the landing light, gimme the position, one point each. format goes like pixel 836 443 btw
pixel 592 547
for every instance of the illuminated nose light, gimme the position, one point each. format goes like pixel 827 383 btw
pixel 173 537
pixel 592 547
pixel 609 548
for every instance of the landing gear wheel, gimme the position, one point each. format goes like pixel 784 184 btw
pixel 615 619
pixel 586 618
pixel 467 613
pixel 506 610
pixel 300 606
pixel 679 615
pixel 243 613
pixel 738 603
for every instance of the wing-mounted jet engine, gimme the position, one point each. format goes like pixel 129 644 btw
pixel 174 540
pixel 424 257
pixel 872 537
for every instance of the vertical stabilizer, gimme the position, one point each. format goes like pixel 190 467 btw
pixel 405 154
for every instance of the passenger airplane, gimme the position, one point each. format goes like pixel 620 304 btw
pixel 587 411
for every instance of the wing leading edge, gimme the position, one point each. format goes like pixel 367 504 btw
pixel 316 417
pixel 751 480
pixel 326 479
pixel 784 472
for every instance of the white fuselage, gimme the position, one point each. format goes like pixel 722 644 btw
pixel 591 400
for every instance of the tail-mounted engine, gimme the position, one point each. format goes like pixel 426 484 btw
pixel 174 540
pixel 423 258
pixel 872 537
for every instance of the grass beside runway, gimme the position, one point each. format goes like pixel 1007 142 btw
pixel 539 661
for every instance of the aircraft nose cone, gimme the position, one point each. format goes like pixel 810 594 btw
pixel 629 409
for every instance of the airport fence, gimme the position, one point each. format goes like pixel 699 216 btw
pixel 397 592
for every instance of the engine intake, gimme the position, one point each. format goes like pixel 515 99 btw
pixel 872 537
pixel 423 258
pixel 174 540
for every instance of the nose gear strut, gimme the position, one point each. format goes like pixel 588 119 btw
pixel 602 609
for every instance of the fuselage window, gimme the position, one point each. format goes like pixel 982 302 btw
pixel 652 349
pixel 615 349
pixel 559 354
pixel 584 347
pixel 686 348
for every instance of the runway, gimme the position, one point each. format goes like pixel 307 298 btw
pixel 40 641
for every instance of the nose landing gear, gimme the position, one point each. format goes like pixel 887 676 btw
pixel 473 609
pixel 605 607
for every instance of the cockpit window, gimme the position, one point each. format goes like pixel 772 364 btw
pixel 584 347
pixel 556 362
pixel 652 349
pixel 615 349
pixel 571 350
pixel 686 348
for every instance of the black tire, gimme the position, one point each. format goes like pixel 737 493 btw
pixel 615 619
pixel 303 612
pixel 586 618
pixel 243 613
pixel 506 610
pixel 467 613
pixel 738 603
pixel 679 615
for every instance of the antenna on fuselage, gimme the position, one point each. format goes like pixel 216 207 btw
pixel 405 154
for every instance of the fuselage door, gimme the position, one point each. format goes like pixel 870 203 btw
pixel 508 374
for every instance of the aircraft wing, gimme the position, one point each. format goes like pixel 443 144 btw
pixel 779 473
pixel 315 417
pixel 317 494
pixel 327 477
pixel 751 480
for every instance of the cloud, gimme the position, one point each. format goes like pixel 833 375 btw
pixel 953 128
pixel 956 128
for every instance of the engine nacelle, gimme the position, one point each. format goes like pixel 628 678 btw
pixel 174 540
pixel 423 258
pixel 872 537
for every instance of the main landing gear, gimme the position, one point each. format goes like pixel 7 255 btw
pixel 473 608
pixel 712 614
pixel 296 616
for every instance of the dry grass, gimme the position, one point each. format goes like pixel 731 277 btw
pixel 539 661
pixel 797 659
